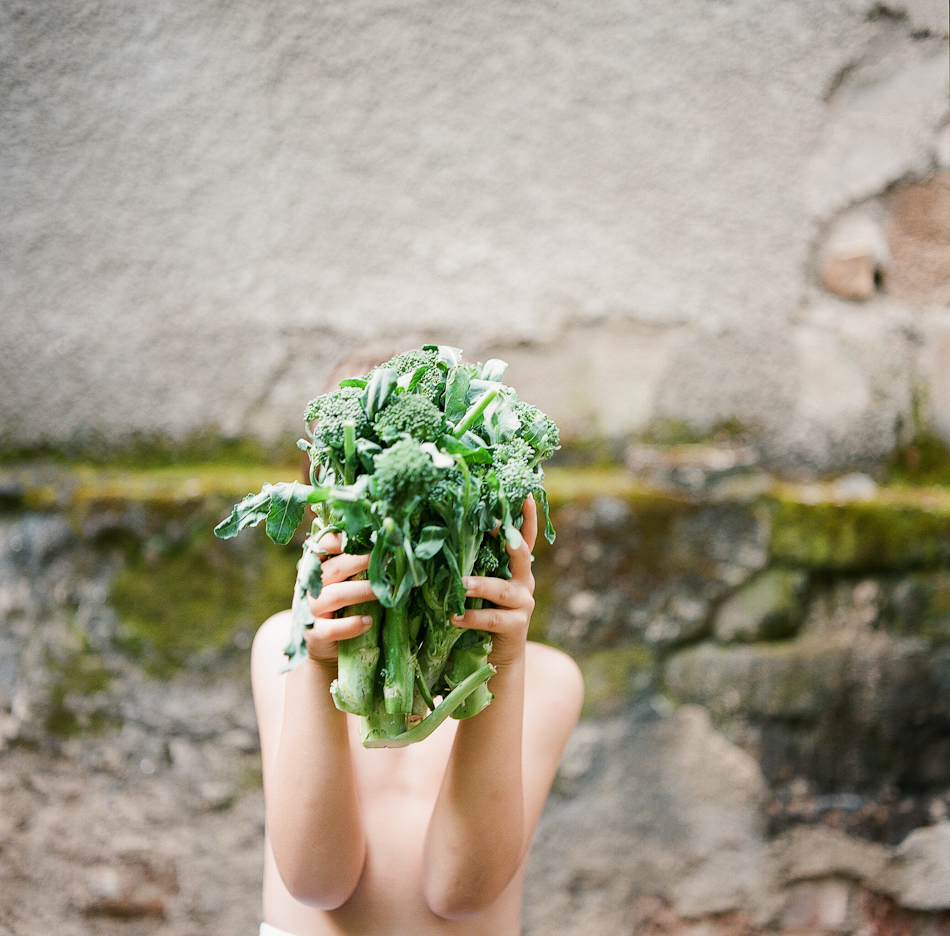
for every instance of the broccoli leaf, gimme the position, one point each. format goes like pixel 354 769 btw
pixel 249 512
pixel 287 503
pixel 381 385
pixel 309 579
pixel 456 394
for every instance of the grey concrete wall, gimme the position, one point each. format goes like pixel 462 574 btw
pixel 203 207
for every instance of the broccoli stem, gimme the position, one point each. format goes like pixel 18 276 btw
pixel 373 733
pixel 398 659
pixel 349 451
pixel 358 663
pixel 470 655
pixel 398 669
pixel 473 412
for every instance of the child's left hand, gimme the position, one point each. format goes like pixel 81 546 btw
pixel 512 599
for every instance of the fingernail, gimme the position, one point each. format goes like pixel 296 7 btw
pixel 467 582
pixel 456 618
pixel 366 619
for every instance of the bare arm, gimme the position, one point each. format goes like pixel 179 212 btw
pixel 504 759
pixel 313 814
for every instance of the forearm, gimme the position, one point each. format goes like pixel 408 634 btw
pixel 476 840
pixel 313 815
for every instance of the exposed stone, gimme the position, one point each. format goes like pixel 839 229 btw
pixel 675 812
pixel 769 607
pixel 130 887
pixel 854 256
pixel 693 467
pixel 922 869
pixel 919 604
pixel 817 907
pixel 816 852
pixel 935 368
pixel 795 680
pixel 919 234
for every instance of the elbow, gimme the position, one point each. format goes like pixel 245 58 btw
pixel 465 900
pixel 322 891
pixel 456 909
pixel 318 894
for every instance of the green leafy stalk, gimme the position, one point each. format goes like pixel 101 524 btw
pixel 358 663
pixel 474 412
pixel 309 580
pixel 424 464
pixel 376 738
pixel 399 666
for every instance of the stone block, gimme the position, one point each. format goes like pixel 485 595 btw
pixel 817 907
pixel 796 680
pixel 919 237
pixel 667 809
pixel 769 607
pixel 812 853
pixel 919 605
pixel 854 257
pixel 922 869
pixel 934 367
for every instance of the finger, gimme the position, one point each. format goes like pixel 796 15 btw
pixel 501 593
pixel 494 620
pixel 529 524
pixel 344 566
pixel 340 595
pixel 333 630
pixel 330 543
pixel 520 558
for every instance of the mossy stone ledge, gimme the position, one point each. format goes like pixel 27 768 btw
pixel 895 529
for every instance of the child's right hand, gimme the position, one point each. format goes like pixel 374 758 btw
pixel 339 591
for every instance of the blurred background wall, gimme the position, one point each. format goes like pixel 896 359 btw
pixel 715 221
pixel 669 219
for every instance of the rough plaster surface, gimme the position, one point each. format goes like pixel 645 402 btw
pixel 203 207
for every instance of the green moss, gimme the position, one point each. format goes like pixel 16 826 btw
pixel 582 485
pixel 860 535
pixel 78 674
pixel 681 432
pixel 925 461
pixel 142 450
pixel 178 601
pixel 614 677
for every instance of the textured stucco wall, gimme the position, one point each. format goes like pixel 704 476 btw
pixel 204 206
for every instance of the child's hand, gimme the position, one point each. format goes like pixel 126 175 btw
pixel 513 599
pixel 339 591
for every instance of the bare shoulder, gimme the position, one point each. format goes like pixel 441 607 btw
pixel 267 657
pixel 549 670
pixel 554 690
pixel 267 650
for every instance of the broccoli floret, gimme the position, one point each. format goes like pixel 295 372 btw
pixel 514 449
pixel 518 479
pixel 409 414
pixel 330 411
pixel 432 383
pixel 486 562
pixel 404 473
pixel 538 430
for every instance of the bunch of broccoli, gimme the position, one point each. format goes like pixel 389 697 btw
pixel 425 464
